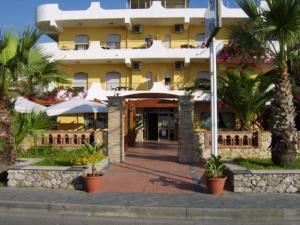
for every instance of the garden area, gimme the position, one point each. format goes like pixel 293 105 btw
pixel 266 164
pixel 51 156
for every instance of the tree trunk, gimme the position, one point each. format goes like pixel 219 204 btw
pixel 8 155
pixel 283 129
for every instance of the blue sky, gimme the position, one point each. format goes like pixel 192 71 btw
pixel 15 14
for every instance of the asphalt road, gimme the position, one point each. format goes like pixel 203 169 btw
pixel 31 218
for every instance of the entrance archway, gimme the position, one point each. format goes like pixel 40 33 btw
pixel 121 122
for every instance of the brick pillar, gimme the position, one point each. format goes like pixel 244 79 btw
pixel 116 129
pixel 186 142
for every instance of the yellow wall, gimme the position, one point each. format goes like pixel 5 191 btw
pixel 130 39
pixel 136 79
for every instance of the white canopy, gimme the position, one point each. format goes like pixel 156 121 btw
pixel 96 92
pixel 75 106
pixel 159 87
pixel 23 105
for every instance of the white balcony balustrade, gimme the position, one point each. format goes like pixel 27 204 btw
pixel 157 51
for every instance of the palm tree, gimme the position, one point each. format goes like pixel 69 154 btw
pixel 22 69
pixel 29 125
pixel 278 20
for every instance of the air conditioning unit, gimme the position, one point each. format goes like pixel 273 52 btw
pixel 136 65
pixel 179 28
pixel 179 65
pixel 137 28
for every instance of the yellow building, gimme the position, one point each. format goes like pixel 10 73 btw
pixel 151 50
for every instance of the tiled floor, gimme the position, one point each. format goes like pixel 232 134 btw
pixel 153 167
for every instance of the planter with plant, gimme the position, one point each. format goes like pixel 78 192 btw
pixel 93 181
pixel 216 178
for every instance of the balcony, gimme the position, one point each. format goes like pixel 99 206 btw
pixel 156 52
pixel 51 19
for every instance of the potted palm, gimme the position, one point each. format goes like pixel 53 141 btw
pixel 216 178
pixel 92 181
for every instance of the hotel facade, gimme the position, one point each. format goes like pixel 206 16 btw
pixel 142 58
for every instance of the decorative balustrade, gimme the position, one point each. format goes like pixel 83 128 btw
pixel 70 138
pixel 234 139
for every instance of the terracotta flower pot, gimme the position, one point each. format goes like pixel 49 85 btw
pixel 91 183
pixel 215 186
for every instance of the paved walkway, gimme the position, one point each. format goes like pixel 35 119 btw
pixel 153 167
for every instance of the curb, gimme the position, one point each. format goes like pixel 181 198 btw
pixel 152 212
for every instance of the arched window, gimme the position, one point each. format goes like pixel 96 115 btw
pixel 204 77
pixel 168 41
pixel 200 39
pixel 113 80
pixel 149 79
pixel 80 81
pixel 81 42
pixel 113 41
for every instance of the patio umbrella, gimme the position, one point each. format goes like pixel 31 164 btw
pixel 23 105
pixel 76 106
pixel 96 92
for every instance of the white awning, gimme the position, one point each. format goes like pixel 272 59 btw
pixel 23 105
pixel 76 106
pixel 96 92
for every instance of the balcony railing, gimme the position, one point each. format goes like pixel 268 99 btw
pixel 234 139
pixel 113 45
pixel 141 86
pixel 81 46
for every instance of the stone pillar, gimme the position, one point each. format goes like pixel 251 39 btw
pixel 116 129
pixel 186 138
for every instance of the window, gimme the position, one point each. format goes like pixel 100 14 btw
pixel 81 42
pixel 204 80
pixel 200 39
pixel 225 120
pixel 80 81
pixel 168 79
pixel 113 80
pixel 168 41
pixel 149 80
pixel 113 41
pixel 95 123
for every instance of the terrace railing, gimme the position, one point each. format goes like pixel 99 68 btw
pixel 59 138
pixel 234 139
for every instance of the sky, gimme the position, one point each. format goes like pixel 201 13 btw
pixel 16 14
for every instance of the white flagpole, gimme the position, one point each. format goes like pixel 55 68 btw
pixel 214 99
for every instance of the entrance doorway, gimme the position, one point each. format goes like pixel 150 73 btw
pixel 152 126
pixel 160 124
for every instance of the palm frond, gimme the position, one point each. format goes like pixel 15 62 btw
pixel 250 7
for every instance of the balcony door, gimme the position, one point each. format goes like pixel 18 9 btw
pixel 168 41
pixel 113 80
pixel 113 41
pixel 81 42
pixel 80 81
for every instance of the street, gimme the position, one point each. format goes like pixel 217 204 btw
pixel 32 218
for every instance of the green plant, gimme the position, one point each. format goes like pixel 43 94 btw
pixel 92 150
pixel 215 167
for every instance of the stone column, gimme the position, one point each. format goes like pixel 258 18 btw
pixel 116 129
pixel 186 138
